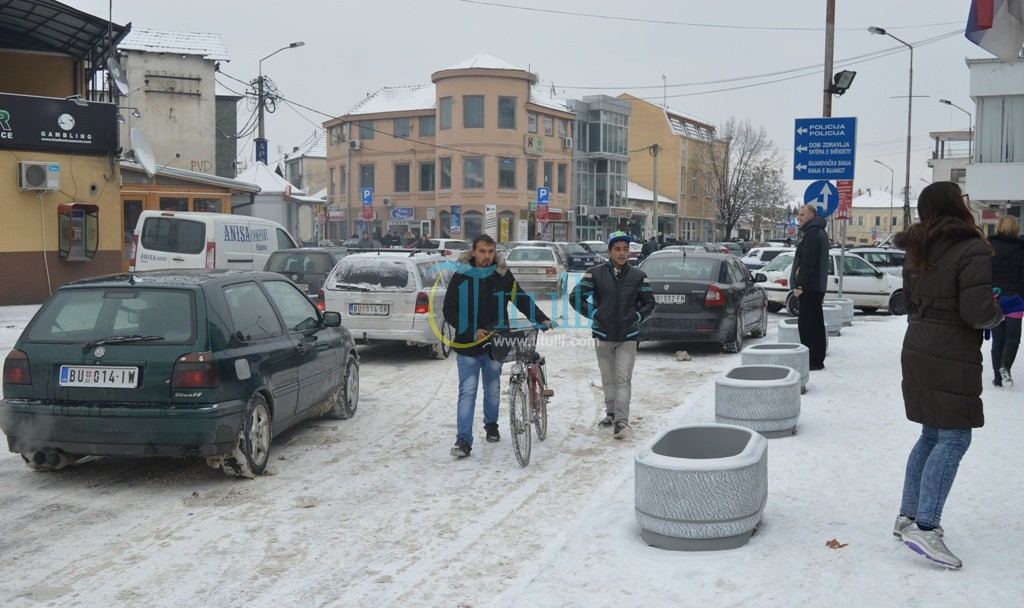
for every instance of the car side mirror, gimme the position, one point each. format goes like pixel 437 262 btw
pixel 332 319
pixel 760 278
pixel 879 274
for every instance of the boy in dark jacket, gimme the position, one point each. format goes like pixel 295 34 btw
pixel 617 298
pixel 1008 276
pixel 808 279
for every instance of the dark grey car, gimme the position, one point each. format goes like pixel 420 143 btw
pixel 306 267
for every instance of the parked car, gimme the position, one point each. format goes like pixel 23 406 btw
pixel 179 240
pixel 869 288
pixel 596 247
pixel 635 251
pixel 757 257
pixel 703 297
pixel 559 254
pixel 448 246
pixel 886 259
pixel 577 258
pixel 732 248
pixel 392 296
pixel 537 269
pixel 306 267
pixel 678 248
pixel 174 363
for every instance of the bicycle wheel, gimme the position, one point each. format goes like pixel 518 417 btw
pixel 539 403
pixel 519 421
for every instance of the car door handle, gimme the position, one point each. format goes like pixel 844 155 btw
pixel 178 259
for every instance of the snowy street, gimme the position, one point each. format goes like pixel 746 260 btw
pixel 373 511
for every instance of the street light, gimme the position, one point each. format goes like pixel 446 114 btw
pixel 261 140
pixel 910 106
pixel 892 181
pixel 970 127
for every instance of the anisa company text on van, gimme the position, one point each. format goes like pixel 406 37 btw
pixel 245 234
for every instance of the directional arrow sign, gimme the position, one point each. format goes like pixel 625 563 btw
pixel 824 196
pixel 824 148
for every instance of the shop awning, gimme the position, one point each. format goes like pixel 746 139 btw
pixel 46 25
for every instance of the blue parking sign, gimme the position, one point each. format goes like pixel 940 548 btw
pixel 367 194
pixel 543 195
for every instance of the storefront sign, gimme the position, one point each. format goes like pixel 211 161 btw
pixel 625 212
pixel 455 225
pixel 504 227
pixel 533 144
pixel 491 221
pixel 402 213
pixel 51 124
pixel 430 213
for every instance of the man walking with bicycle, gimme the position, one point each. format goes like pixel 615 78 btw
pixel 617 298
pixel 476 304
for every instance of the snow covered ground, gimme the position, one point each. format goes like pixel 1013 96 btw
pixel 374 512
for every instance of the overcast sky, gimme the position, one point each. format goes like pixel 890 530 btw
pixel 353 48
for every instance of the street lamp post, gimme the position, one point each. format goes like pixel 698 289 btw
pixel 970 128
pixel 910 106
pixel 261 140
pixel 892 182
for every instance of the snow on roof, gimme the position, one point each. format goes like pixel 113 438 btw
pixel 314 147
pixel 268 181
pixel 539 97
pixel 398 99
pixel 483 61
pixel 878 199
pixel 636 192
pixel 209 46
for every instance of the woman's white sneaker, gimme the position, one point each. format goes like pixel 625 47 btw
pixel 929 544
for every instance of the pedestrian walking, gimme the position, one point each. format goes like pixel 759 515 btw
pixel 947 277
pixel 649 247
pixel 617 299
pixel 365 242
pixel 476 304
pixel 809 281
pixel 1008 277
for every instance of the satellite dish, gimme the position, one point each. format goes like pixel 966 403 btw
pixel 117 75
pixel 143 151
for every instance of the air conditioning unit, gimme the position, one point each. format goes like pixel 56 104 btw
pixel 387 201
pixel 567 143
pixel 581 210
pixel 355 144
pixel 38 175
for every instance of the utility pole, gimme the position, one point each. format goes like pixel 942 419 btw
pixel 348 183
pixel 826 111
pixel 653 150
pixel 261 88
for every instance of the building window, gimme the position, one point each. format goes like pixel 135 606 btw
pixel 427 177
pixel 366 176
pixel 561 128
pixel 549 126
pixel 473 111
pixel 548 170
pixel 342 182
pixel 427 126
pixel 507 173
pixel 693 182
pixel 446 173
pixel 401 177
pixel 893 218
pixel 562 177
pixel 446 113
pixel 860 220
pixel 531 175
pixel 473 172
pixel 506 112
pixel 365 129
pixel 403 127
pixel 330 184
pixel 531 122
pixel 878 220
pixel 958 175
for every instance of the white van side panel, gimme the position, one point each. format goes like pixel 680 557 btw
pixel 234 244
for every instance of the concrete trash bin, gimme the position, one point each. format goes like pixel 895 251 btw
pixel 701 487
pixel 833 318
pixel 847 305
pixel 789 332
pixel 763 398
pixel 796 356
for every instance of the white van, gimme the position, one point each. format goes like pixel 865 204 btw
pixel 172 239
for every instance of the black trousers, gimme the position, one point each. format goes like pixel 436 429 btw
pixel 812 325
pixel 1005 340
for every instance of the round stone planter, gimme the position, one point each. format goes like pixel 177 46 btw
pixel 833 319
pixel 763 398
pixel 701 487
pixel 847 305
pixel 789 332
pixel 795 356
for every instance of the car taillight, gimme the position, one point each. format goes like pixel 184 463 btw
pixel 321 304
pixel 446 252
pixel 211 254
pixel 550 271
pixel 195 370
pixel 135 250
pixel 16 368
pixel 715 297
pixel 783 282
pixel 724 250
pixel 422 303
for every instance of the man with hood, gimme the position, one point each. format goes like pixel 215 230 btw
pixel 476 304
pixel 809 280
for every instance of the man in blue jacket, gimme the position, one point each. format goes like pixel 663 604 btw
pixel 617 298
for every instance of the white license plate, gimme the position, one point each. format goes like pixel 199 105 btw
pixel 531 271
pixel 669 298
pixel 99 376
pixel 303 286
pixel 369 310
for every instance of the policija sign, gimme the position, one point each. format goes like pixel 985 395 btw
pixel 52 124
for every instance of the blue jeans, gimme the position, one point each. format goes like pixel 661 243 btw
pixel 931 468
pixel 470 370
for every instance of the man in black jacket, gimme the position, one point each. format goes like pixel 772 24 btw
pixel 476 304
pixel 809 281
pixel 617 298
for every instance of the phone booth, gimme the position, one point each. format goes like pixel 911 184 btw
pixel 77 231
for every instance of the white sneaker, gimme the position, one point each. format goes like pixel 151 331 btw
pixel 929 543
pixel 1005 375
pixel 902 521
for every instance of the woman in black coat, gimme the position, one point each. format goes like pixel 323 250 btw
pixel 1008 276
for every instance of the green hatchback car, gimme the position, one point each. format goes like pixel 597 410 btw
pixel 180 363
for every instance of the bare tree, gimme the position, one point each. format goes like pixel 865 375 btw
pixel 745 174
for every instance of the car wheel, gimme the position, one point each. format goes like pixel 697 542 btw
pixel 252 451
pixel 898 303
pixel 736 345
pixel 762 326
pixel 793 305
pixel 345 398
pixel 774 307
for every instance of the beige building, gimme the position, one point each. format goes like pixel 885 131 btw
pixel 683 172
pixel 876 215
pixel 461 156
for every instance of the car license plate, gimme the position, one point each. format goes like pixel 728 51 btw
pixel 303 286
pixel 532 270
pixel 669 298
pixel 99 376
pixel 369 310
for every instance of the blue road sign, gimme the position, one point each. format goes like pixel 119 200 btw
pixel 824 148
pixel 792 220
pixel 543 195
pixel 367 194
pixel 823 195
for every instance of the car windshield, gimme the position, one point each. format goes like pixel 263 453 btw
pixel 768 255
pixel 523 254
pixel 297 261
pixel 374 275
pixel 681 269
pixel 460 245
pixel 83 315
pixel 574 248
pixel 781 262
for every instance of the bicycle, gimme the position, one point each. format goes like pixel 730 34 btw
pixel 528 393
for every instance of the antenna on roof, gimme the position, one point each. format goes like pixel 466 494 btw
pixel 664 92
pixel 553 94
